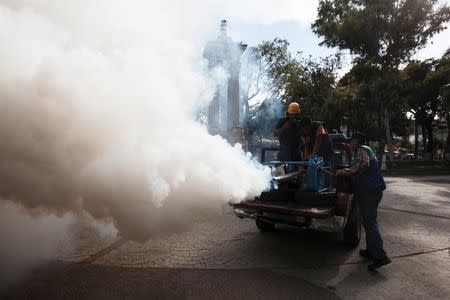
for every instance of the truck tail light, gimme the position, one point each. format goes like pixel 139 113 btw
pixel 341 204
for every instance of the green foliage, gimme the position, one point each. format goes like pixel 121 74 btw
pixel 316 86
pixel 383 32
pixel 424 87
pixel 263 118
pixel 286 79
pixel 375 94
pixel 421 89
pixel 282 70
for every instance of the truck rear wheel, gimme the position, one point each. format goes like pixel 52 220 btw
pixel 264 226
pixel 352 230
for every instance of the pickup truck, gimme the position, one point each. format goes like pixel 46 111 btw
pixel 329 207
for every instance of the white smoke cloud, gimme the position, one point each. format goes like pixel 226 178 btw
pixel 96 100
pixel 96 106
pixel 28 240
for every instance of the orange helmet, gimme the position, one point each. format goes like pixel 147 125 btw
pixel 293 108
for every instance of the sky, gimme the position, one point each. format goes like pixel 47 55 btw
pixel 296 28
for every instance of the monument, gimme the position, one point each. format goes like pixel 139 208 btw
pixel 224 110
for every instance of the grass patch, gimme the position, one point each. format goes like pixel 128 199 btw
pixel 419 167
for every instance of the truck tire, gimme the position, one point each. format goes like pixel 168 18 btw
pixel 264 226
pixel 352 230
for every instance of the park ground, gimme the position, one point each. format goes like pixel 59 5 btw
pixel 224 257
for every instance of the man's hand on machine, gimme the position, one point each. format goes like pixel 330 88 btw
pixel 342 172
pixel 308 156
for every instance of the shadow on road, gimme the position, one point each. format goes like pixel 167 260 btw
pixel 81 281
pixel 290 247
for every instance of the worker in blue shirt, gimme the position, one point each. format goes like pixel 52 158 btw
pixel 368 187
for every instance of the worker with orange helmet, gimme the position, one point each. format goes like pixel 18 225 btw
pixel 288 132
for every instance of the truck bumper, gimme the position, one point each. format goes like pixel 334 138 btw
pixel 316 218
pixel 259 207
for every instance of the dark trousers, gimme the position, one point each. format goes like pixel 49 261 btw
pixel 368 203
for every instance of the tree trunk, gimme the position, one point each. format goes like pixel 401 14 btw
pixel 244 108
pixel 387 126
pixel 424 137
pixel 379 133
pixel 447 143
pixel 416 139
pixel 430 148
pixel 381 144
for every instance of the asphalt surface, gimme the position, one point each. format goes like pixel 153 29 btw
pixel 227 258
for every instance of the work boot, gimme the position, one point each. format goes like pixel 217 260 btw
pixel 377 263
pixel 365 253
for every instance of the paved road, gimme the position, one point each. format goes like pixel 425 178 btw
pixel 225 258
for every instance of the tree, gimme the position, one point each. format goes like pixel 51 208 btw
pixel 279 78
pixel 362 112
pixel 315 87
pixel 382 34
pixel 424 89
pixel 251 79
pixel 442 74
pixel 422 97
pixel 283 71
pixel 445 92
pixel 270 70
pixel 268 73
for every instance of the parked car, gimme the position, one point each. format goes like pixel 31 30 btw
pixel 411 156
